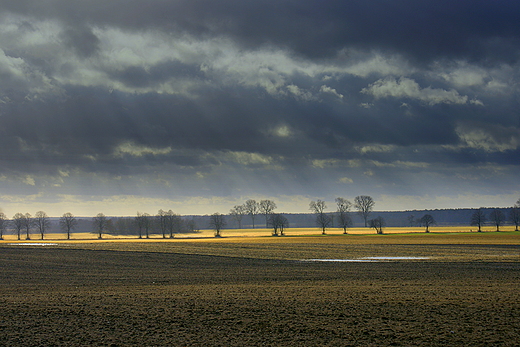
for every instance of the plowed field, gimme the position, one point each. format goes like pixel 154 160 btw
pixel 224 293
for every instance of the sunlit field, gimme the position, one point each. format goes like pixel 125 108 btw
pixel 261 232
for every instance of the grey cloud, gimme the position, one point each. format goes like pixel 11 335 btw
pixel 426 30
pixel 235 97
pixel 140 77
pixel 82 40
pixel 489 137
pixel 408 88
pixel 94 123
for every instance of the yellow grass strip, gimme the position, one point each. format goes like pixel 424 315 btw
pixel 439 235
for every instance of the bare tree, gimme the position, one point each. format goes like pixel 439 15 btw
pixel 162 222
pixel 18 223
pixel 343 209
pixel 148 224
pixel 378 224
pixel 267 207
pixel 497 217
pixel 67 223
pixel 252 209
pixel 237 213
pixel 364 204
pixel 322 219
pixel 478 218
pixel 42 222
pixel 173 222
pixel 3 225
pixel 143 224
pixel 27 223
pixel 427 221
pixel 139 221
pixel 217 222
pixel 279 223
pixel 100 223
pixel 514 216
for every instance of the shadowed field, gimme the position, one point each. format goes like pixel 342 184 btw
pixel 254 291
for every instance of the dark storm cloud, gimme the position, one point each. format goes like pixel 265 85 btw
pixel 94 122
pixel 220 97
pixel 424 30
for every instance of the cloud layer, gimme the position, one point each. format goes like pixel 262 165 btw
pixel 185 102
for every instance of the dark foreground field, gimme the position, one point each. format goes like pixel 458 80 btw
pixel 78 297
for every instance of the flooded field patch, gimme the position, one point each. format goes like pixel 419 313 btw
pixel 369 259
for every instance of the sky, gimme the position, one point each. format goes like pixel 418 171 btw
pixel 196 106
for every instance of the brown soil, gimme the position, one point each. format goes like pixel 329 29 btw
pixel 85 297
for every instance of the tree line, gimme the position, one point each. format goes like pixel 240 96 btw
pixel 364 206
pixel 253 209
pixel 166 223
pixel 497 218
pixel 278 222
pixel 479 218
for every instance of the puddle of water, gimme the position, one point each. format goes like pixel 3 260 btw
pixel 33 244
pixel 397 258
pixel 368 259
pixel 340 260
